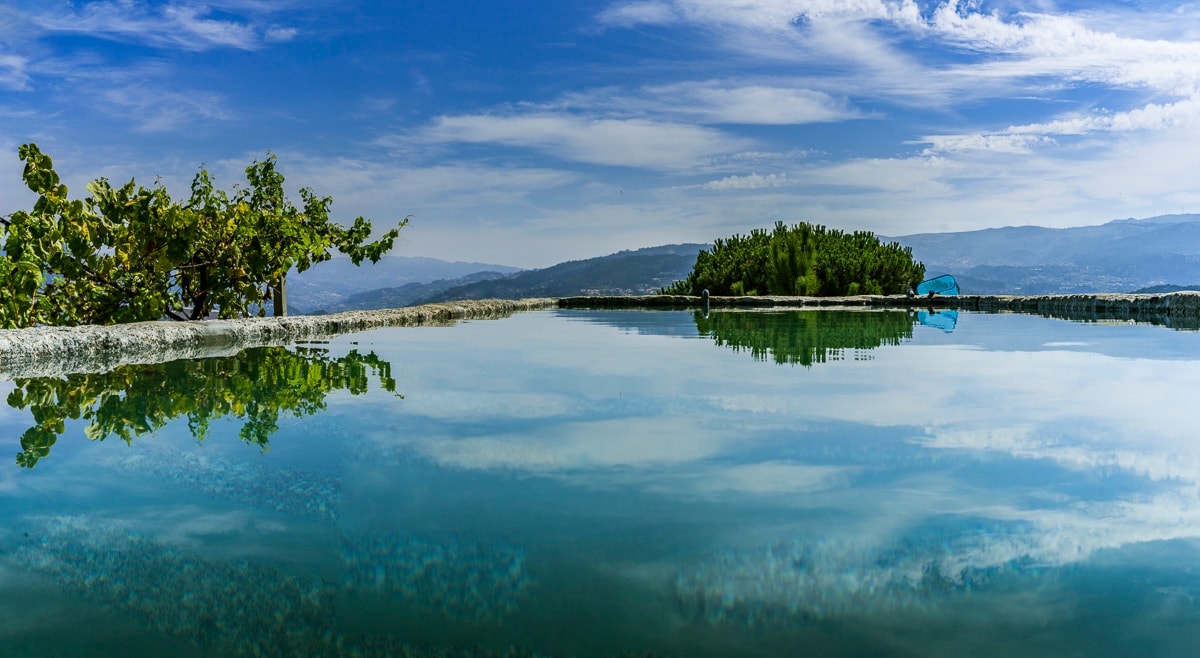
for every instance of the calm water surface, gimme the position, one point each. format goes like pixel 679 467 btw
pixel 814 483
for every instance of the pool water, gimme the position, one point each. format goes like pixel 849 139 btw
pixel 618 483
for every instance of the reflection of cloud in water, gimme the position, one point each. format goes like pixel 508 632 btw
pixel 1071 450
pixel 583 445
pixel 10 438
pixel 838 577
pixel 1135 401
pixel 1086 413
pixel 453 405
pixel 1081 410
pixel 763 478
pixel 1083 406
pixel 849 575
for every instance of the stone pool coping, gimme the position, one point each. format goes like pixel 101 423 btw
pixel 57 351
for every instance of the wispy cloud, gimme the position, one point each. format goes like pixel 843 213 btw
pixel 777 101
pixel 857 40
pixel 280 34
pixel 750 182
pixel 1067 47
pixel 629 14
pixel 1019 139
pixel 159 110
pixel 1002 143
pixel 186 26
pixel 146 93
pixel 630 143
pixel 755 14
pixel 12 72
pixel 438 196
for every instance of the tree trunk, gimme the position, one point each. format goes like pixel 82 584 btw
pixel 279 294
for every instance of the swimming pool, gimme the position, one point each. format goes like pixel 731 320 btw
pixel 600 483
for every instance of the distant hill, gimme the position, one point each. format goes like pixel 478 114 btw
pixel 328 285
pixel 638 272
pixel 405 295
pixel 1120 256
pixel 1161 290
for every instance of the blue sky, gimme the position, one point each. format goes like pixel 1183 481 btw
pixel 528 133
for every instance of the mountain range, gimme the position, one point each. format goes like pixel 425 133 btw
pixel 1127 255
pixel 635 272
pixel 327 286
pixel 1121 256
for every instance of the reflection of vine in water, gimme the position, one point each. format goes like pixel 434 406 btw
pixel 805 337
pixel 256 385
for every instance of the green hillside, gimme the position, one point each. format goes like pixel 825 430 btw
pixel 640 272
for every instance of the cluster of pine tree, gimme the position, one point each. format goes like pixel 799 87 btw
pixel 802 259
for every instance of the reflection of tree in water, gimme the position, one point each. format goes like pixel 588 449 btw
pixel 256 386
pixel 805 337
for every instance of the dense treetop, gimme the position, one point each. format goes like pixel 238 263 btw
pixel 131 253
pixel 802 259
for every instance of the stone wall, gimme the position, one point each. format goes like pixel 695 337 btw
pixel 55 351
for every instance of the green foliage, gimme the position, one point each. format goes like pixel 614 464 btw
pixel 805 337
pixel 132 253
pixel 257 385
pixel 803 259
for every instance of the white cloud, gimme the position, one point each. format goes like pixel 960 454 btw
pixel 494 205
pixel 769 102
pixel 1011 129
pixel 1083 180
pixel 763 105
pixel 750 182
pixel 630 143
pixel 159 110
pixel 993 143
pixel 859 44
pixel 357 184
pixel 280 34
pixel 756 14
pixel 918 176
pixel 638 13
pixel 1019 139
pixel 13 72
pixel 1064 45
pixel 1150 117
pixel 173 25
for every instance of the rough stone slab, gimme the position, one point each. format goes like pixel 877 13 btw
pixel 56 351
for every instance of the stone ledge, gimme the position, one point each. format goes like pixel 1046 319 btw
pixel 56 351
